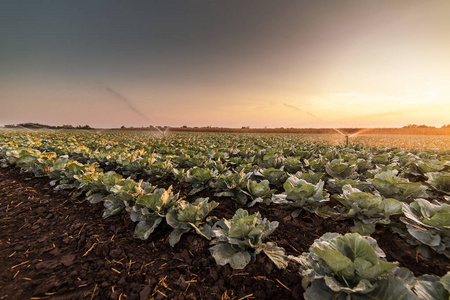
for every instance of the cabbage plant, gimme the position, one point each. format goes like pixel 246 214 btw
pixel 340 169
pixel 363 165
pixel 198 178
pixel 366 209
pixel 300 194
pixel 150 209
pixel 335 185
pixel 97 184
pixel 432 165
pixel 315 164
pixel 429 223
pixel 186 216
pixel 231 185
pixel 439 181
pixel 23 158
pixel 381 158
pixel 31 160
pixel 43 164
pixel 292 164
pixel 218 165
pixel 258 192
pixel 239 240
pixel 313 177
pixel 350 267
pixel 431 287
pixel 123 195
pixel 64 172
pixel 392 186
pixel 271 160
pixel 275 176
pixel 159 169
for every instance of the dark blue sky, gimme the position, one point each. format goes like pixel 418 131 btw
pixel 172 36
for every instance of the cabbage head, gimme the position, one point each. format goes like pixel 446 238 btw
pixel 186 216
pixel 366 209
pixel 429 223
pixel 349 267
pixel 392 186
pixel 150 209
pixel 340 169
pixel 439 181
pixel 300 194
pixel 239 240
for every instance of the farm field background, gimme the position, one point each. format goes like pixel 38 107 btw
pixel 171 191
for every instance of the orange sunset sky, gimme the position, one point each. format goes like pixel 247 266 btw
pixel 346 63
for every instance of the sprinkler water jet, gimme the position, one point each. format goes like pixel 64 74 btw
pixel 354 134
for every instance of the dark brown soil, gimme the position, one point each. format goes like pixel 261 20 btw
pixel 53 246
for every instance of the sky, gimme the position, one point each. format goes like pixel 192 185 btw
pixel 321 63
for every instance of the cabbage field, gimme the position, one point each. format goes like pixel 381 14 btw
pixel 225 216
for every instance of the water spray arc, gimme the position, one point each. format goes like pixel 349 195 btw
pixel 160 131
pixel 353 134
pixel 346 136
pixel 127 102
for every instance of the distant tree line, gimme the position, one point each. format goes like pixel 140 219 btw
pixel 425 126
pixel 40 126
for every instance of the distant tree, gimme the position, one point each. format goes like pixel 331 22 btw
pixel 418 126
pixel 33 125
pixel 38 126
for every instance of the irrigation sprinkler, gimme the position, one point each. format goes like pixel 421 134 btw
pixel 160 131
pixel 346 136
pixel 353 134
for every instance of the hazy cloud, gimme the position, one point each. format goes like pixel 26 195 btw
pixel 381 114
pixel 342 95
